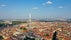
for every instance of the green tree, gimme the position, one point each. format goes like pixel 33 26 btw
pixel 1 37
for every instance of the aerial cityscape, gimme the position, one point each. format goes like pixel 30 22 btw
pixel 35 20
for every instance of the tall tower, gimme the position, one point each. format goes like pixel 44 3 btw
pixel 29 20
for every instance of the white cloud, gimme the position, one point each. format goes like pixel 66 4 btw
pixel 35 8
pixel 49 2
pixel 43 3
pixel 60 7
pixel 3 5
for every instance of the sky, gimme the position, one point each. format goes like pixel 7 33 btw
pixel 39 9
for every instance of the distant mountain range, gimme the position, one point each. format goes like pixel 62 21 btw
pixel 41 20
pixel 51 19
